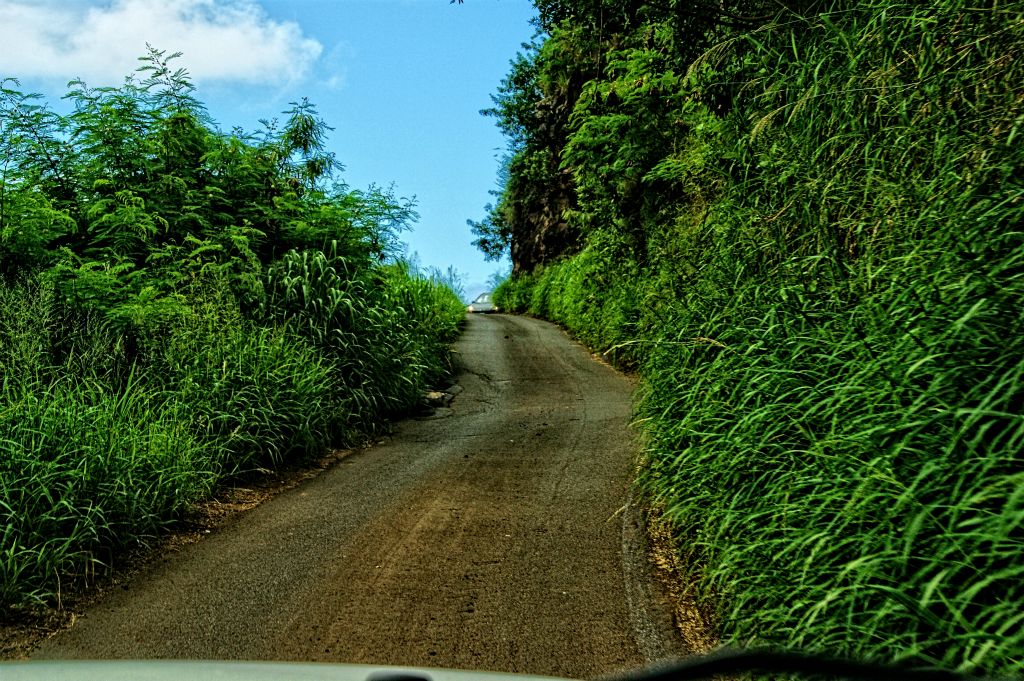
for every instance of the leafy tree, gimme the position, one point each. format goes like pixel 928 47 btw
pixel 135 194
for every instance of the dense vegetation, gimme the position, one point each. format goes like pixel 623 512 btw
pixel 177 305
pixel 802 224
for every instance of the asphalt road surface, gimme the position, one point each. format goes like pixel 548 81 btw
pixel 490 537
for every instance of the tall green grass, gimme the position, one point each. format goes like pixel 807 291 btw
pixel 386 330
pixel 85 471
pixel 842 487
pixel 100 450
pixel 828 331
pixel 91 458
pixel 261 395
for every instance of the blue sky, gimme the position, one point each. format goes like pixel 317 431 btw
pixel 400 81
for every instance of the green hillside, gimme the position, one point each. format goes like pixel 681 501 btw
pixel 801 222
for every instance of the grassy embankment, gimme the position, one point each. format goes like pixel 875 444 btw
pixel 179 305
pixel 809 241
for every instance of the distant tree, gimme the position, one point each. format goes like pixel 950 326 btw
pixel 493 233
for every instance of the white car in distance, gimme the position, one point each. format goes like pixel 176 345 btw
pixel 482 303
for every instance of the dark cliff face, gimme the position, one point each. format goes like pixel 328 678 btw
pixel 540 232
pixel 541 192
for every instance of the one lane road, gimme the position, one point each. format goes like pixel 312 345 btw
pixel 490 539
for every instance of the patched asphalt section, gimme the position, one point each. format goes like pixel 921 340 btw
pixel 489 539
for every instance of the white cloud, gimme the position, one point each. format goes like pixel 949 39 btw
pixel 222 40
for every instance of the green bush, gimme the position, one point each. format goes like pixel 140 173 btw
pixel 513 294
pixel 808 238
pixel 384 331
pixel 91 457
pixel 178 305
pixel 259 395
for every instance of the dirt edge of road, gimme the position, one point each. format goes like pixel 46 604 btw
pixel 667 622
pixel 694 623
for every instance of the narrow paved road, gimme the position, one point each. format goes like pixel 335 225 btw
pixel 489 539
